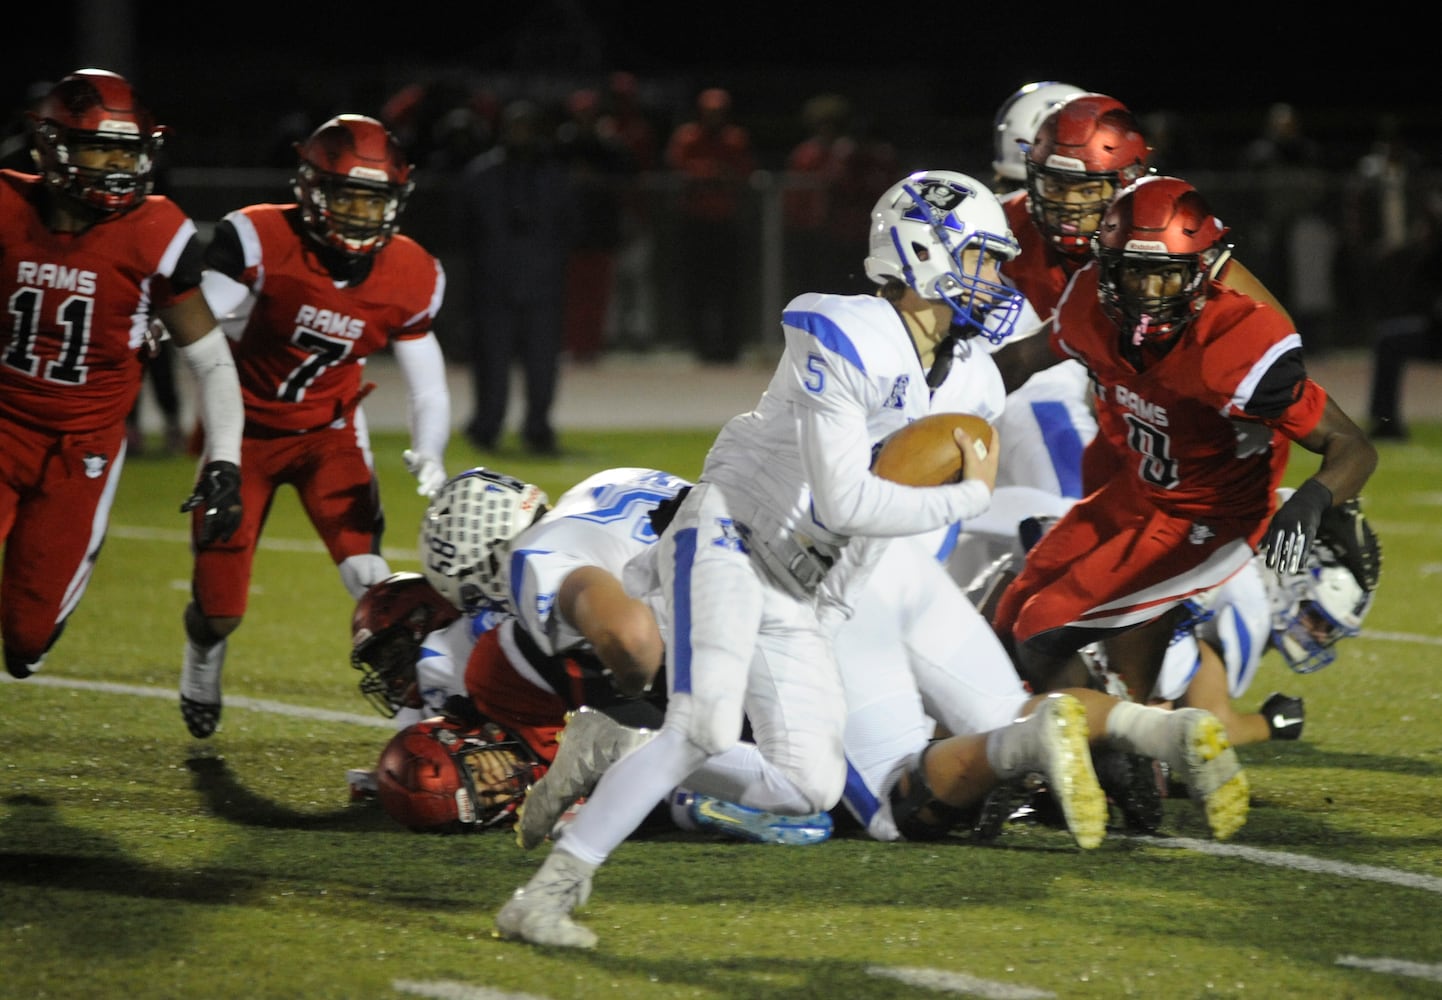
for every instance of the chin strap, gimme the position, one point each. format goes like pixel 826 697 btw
pixel 941 360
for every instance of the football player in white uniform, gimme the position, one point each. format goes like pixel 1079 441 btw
pixel 1302 615
pixel 546 628
pixel 786 494
pixel 954 673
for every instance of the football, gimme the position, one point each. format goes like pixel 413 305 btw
pixel 924 453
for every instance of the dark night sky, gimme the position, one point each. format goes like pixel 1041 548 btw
pixel 952 61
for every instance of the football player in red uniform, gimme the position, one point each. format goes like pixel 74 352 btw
pixel 1086 149
pixel 88 259
pixel 328 281
pixel 1198 390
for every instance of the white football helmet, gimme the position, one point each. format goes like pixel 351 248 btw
pixel 1315 609
pixel 466 534
pixel 1017 120
pixel 919 230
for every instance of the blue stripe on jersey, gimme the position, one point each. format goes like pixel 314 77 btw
pixel 858 797
pixel 1063 445
pixel 1244 642
pixel 518 562
pixel 943 551
pixel 824 329
pixel 680 665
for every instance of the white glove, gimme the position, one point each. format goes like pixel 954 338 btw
pixel 429 472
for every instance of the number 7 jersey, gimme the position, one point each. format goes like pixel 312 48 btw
pixel 301 353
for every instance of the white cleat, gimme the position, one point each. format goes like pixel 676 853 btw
pixel 540 911
pixel 200 688
pixel 589 744
pixel 1211 771
pixel 1063 756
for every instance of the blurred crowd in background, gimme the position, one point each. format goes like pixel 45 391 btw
pixel 667 213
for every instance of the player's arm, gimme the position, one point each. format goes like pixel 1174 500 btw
pixel 621 629
pixel 428 397
pixel 1348 460
pixel 1020 359
pixel 203 346
pixel 1235 276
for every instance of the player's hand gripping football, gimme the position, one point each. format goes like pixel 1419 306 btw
pixel 978 459
pixel 218 492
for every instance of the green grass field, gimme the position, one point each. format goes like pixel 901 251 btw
pixel 137 862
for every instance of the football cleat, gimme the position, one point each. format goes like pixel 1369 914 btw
pixel 754 825
pixel 540 911
pixel 1063 758
pixel 200 688
pixel 362 782
pixel 1131 784
pixel 589 744
pixel 1000 805
pixel 1211 771
pixel 1284 715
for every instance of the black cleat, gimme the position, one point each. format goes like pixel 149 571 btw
pixel 1132 785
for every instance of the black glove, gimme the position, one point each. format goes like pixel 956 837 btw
pixel 218 489
pixel 1293 527
pixel 1346 531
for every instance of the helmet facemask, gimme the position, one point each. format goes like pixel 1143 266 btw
pixel 466 535
pixel 351 157
pixel 933 244
pixel 387 662
pixel 1086 150
pixel 1067 202
pixel 1316 610
pixel 1151 296
pixel 440 776
pixel 77 127
pixel 322 196
pixel 390 621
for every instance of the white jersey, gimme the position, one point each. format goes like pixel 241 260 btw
pixel 849 377
pixel 602 521
pixel 914 653
pixel 1240 629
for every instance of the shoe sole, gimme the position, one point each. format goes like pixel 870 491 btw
pixel 1069 772
pixel 760 827
pixel 563 783
pixel 1215 777
pixel 201 719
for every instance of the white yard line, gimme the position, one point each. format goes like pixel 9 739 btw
pixel 448 989
pixel 1394 967
pixel 1300 862
pixel 958 982
pixel 935 979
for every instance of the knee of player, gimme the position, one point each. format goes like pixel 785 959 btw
pixel 207 630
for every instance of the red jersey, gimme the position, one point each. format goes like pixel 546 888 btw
pixel 1205 427
pixel 79 305
pixel 301 355
pixel 1038 272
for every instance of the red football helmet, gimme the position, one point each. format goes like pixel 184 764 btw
pixel 1087 149
pixel 390 620
pixel 1158 247
pixel 95 109
pixel 439 776
pixel 351 151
